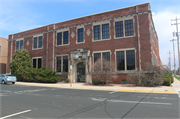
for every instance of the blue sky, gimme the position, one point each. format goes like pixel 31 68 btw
pixel 21 15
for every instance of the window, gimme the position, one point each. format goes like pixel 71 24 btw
pixel 97 33
pixel 80 35
pixel 63 38
pixel 125 60
pixel 129 27
pixel 37 63
pixel 19 45
pixel 104 34
pixel 105 31
pixel 119 29
pixel 37 43
pixel 62 64
pixel 120 60
pixel 101 56
pixel 130 59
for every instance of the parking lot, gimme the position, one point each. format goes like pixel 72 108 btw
pixel 28 102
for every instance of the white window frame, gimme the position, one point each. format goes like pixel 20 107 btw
pixel 37 42
pixel 37 61
pixel 63 30
pixel 61 64
pixel 124 71
pixel 101 23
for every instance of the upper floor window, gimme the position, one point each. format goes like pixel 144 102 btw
pixel 97 33
pixel 80 35
pixel 119 29
pixel 125 60
pixel 129 31
pixel 63 38
pixel 19 45
pixel 37 42
pixel 37 63
pixel 104 33
pixel 62 64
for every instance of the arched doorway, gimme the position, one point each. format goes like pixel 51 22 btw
pixel 81 72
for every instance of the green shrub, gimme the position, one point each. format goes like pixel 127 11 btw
pixel 168 78
pixel 68 80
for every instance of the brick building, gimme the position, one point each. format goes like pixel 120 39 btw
pixel 126 37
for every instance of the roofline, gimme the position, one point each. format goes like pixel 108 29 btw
pixel 81 17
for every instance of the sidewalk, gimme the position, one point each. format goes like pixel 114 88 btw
pixel 160 89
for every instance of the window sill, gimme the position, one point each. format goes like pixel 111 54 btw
pixel 62 45
pixel 62 73
pixel 124 72
pixel 101 40
pixel 37 48
pixel 123 37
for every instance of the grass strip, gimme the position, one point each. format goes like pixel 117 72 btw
pixel 177 78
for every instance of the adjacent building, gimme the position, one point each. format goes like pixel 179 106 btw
pixel 3 54
pixel 126 37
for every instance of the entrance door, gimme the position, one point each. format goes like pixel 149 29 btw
pixel 81 72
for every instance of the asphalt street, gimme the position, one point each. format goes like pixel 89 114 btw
pixel 29 102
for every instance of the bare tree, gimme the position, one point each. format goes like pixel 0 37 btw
pixel 152 76
pixel 102 70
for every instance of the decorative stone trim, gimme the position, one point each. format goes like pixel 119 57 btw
pixel 88 32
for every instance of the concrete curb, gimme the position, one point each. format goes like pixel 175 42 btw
pixel 81 86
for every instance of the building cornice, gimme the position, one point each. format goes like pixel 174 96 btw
pixel 145 12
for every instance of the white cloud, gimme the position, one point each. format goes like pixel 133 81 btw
pixel 162 22
pixel 16 17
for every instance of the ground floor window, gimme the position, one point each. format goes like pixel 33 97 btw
pixel 100 57
pixel 125 60
pixel 62 63
pixel 37 63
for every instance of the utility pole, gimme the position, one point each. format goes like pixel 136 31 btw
pixel 174 57
pixel 169 63
pixel 177 38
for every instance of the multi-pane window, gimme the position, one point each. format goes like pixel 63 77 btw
pixel 119 29
pixel 65 63
pixel 59 38
pixel 97 33
pixel 58 64
pixel 63 38
pixel 120 60
pixel 80 35
pixel 96 56
pixel 102 56
pixel 104 33
pixel 129 27
pixel 19 45
pixel 125 60
pixel 130 59
pixel 62 64
pixel 37 42
pixel 37 63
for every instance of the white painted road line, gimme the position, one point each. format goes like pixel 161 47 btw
pixel 113 92
pixel 102 99
pixel 15 114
